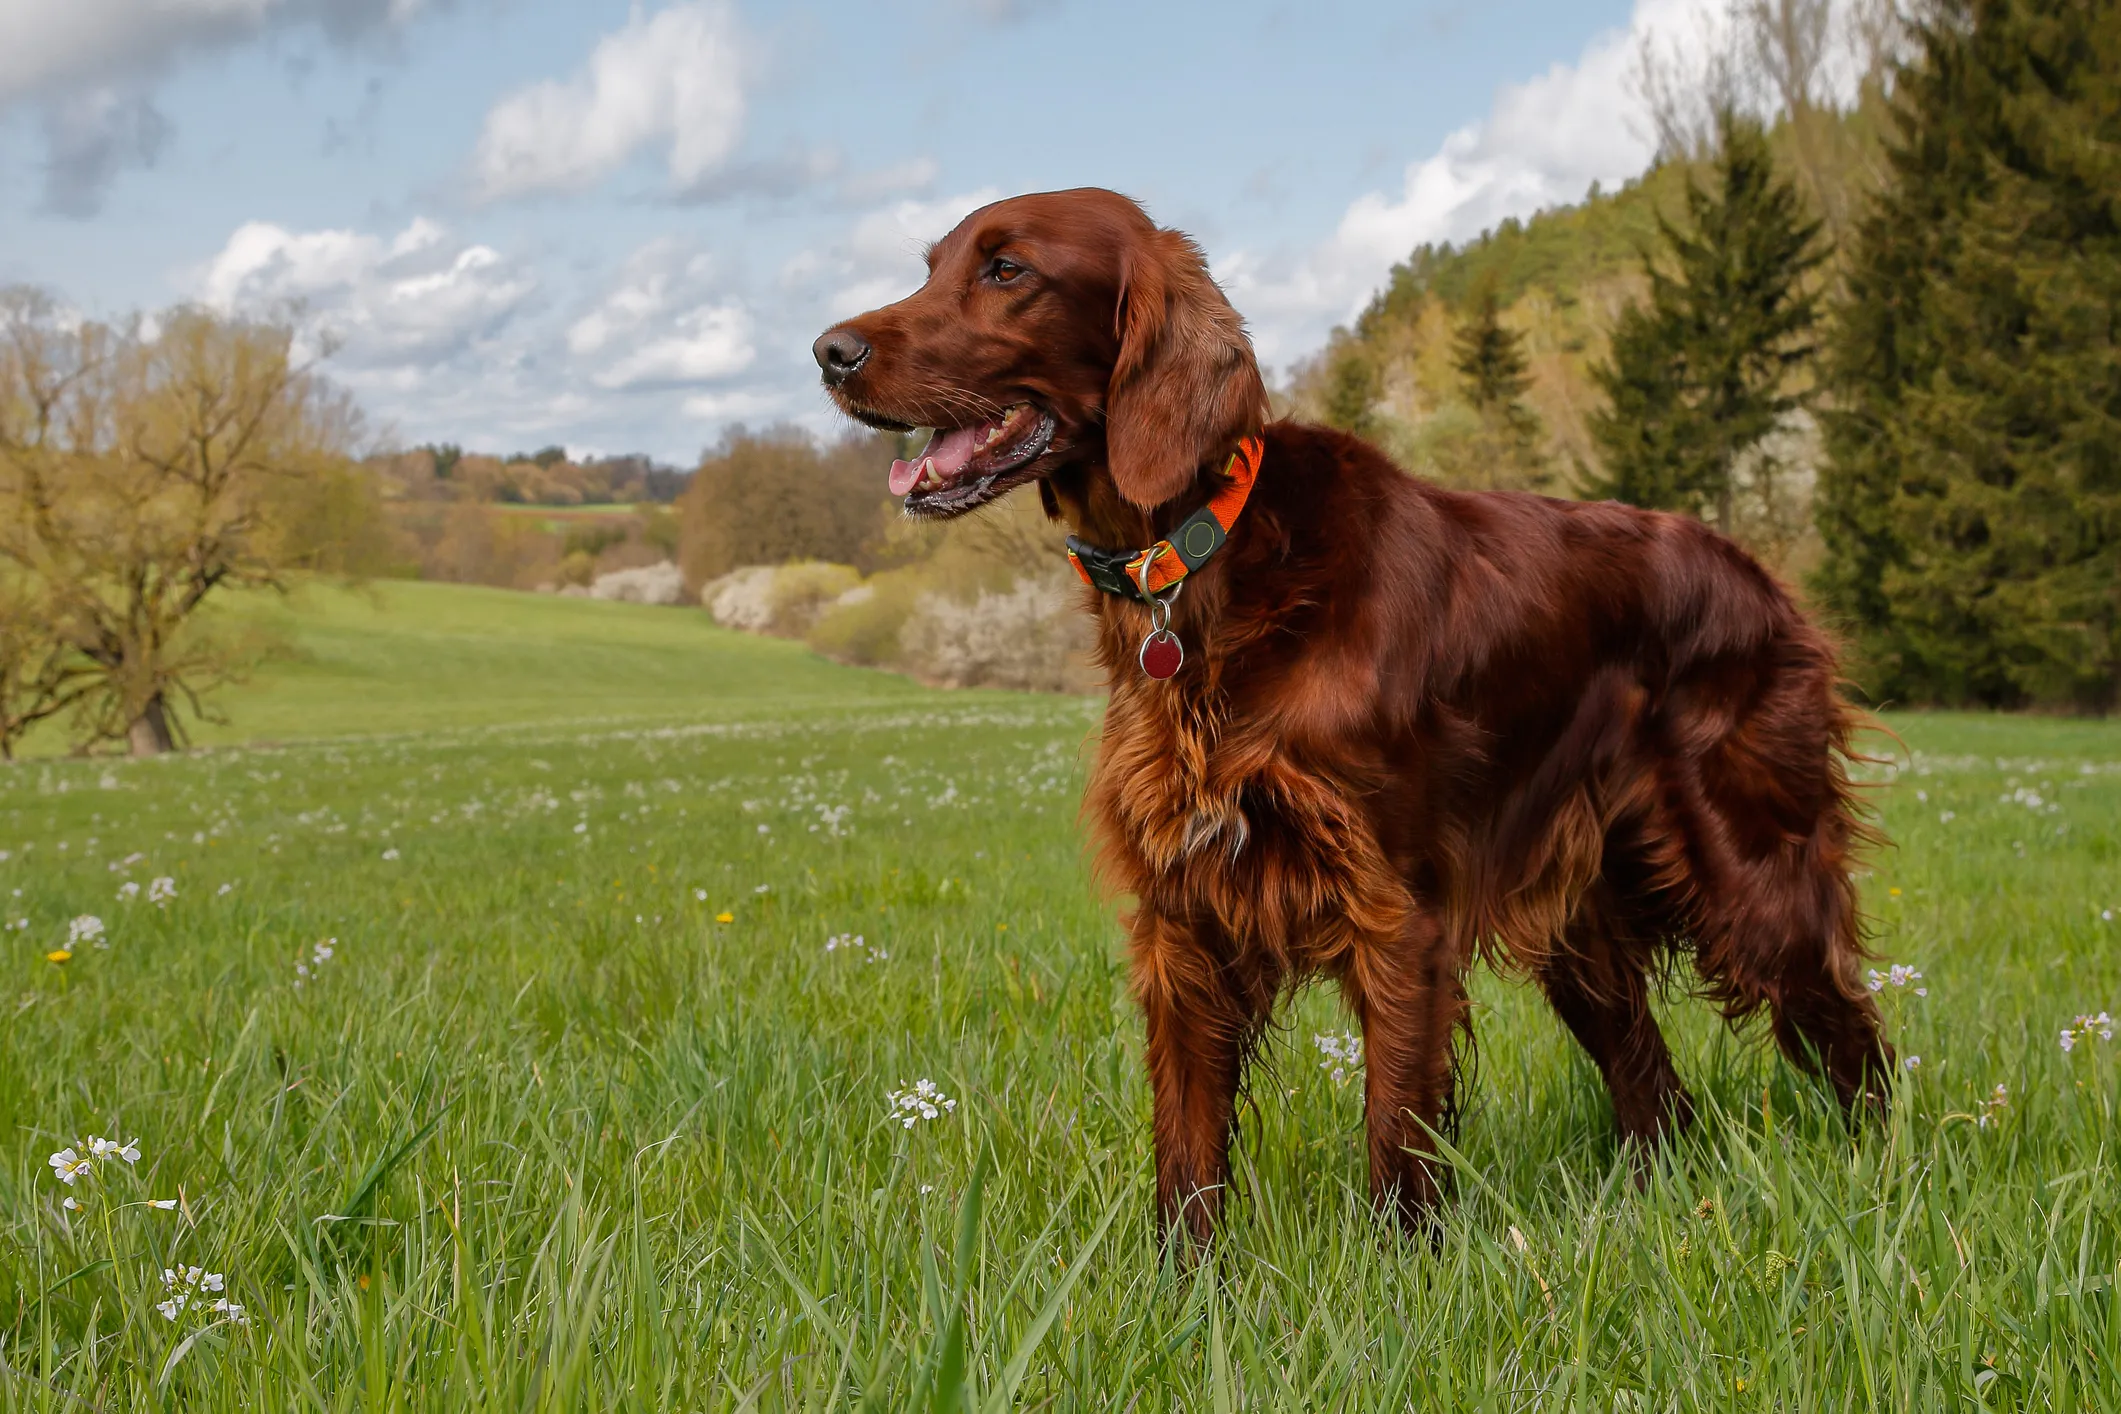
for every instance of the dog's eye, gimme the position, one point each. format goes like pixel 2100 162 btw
pixel 1003 271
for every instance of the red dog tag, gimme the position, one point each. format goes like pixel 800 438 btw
pixel 1161 654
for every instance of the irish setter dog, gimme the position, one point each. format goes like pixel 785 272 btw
pixel 1412 726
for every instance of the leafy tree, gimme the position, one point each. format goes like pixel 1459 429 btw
pixel 1971 508
pixel 765 498
pixel 1699 377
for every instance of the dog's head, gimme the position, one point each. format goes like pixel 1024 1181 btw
pixel 1057 331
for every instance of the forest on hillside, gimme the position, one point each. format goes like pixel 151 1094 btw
pixel 1864 322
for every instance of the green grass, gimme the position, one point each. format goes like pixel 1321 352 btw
pixel 544 1134
pixel 400 656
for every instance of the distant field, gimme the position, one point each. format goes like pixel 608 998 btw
pixel 588 510
pixel 400 656
pixel 636 927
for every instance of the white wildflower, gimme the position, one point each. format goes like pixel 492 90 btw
pixel 1342 1052
pixel 111 1149
pixel 923 1100
pixel 69 1164
pixel 390 853
pixel 2087 1026
pixel 1900 975
pixel 85 929
pixel 128 891
pixel 162 890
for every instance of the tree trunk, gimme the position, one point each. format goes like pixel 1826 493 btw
pixel 150 734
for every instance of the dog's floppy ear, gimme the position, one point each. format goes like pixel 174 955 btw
pixel 1186 385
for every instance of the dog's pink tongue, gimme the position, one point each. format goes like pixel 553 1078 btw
pixel 949 451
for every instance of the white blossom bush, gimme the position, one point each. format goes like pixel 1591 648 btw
pixel 784 600
pixel 660 583
pixel 1033 638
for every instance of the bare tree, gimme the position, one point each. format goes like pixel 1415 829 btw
pixel 1683 82
pixel 40 675
pixel 137 477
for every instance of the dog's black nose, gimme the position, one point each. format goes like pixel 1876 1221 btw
pixel 839 353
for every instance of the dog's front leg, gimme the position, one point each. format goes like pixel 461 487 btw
pixel 1197 1033
pixel 1409 992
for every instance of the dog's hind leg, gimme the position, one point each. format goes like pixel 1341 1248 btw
pixel 1766 828
pixel 1599 985
pixel 1793 945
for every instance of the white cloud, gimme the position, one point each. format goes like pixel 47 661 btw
pixel 396 307
pixel 45 44
pixel 916 174
pixel 662 325
pixel 710 342
pixel 91 64
pixel 90 136
pixel 881 260
pixel 673 78
pixel 1543 142
pixel 744 404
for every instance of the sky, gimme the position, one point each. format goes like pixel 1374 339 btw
pixel 614 227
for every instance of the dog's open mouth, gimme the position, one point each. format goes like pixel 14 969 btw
pixel 963 467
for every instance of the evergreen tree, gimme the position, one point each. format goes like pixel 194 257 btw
pixel 1494 375
pixel 1700 375
pixel 1489 356
pixel 1971 507
pixel 1354 385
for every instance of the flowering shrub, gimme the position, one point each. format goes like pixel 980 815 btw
pixel 662 583
pixel 1034 638
pixel 778 599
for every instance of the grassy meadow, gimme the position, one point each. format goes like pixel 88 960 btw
pixel 560 1005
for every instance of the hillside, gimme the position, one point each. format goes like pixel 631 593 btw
pixel 401 656
pixel 1561 279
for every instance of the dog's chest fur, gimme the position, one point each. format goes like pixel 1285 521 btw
pixel 1210 817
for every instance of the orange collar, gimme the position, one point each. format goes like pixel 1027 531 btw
pixel 1129 573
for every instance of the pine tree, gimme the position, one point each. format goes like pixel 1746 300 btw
pixel 1700 375
pixel 1354 385
pixel 1971 508
pixel 1489 356
pixel 1494 376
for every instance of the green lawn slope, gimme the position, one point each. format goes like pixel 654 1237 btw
pixel 399 656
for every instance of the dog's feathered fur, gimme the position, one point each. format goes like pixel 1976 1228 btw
pixel 1414 725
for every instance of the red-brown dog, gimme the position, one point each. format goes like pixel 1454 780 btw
pixel 1387 727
